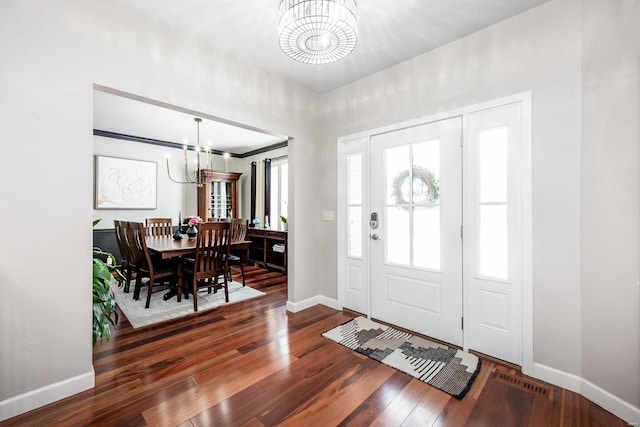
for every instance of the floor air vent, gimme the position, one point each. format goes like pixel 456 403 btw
pixel 523 384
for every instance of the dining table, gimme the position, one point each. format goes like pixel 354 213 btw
pixel 168 247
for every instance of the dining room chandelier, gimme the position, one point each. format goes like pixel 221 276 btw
pixel 192 175
pixel 318 31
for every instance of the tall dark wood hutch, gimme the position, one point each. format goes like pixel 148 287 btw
pixel 218 196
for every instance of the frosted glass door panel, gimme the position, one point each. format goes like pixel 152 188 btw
pixel 398 186
pixel 354 231
pixel 354 205
pixel 426 172
pixel 354 176
pixel 398 236
pixel 413 211
pixel 426 208
pixel 493 259
pixel 426 237
pixel 493 164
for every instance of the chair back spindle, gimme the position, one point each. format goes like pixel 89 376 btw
pixel 239 229
pixel 159 227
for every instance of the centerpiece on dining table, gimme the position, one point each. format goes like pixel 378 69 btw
pixel 192 222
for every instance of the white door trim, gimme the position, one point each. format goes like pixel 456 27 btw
pixel 525 100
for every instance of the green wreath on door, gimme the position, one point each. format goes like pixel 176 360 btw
pixel 424 181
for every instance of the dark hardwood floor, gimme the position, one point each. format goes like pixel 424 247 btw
pixel 254 364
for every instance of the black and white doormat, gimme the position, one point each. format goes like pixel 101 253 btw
pixel 449 369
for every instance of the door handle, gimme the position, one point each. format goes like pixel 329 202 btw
pixel 375 237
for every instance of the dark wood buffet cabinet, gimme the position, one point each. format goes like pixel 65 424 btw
pixel 268 248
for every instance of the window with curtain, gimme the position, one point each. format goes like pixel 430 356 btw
pixel 279 192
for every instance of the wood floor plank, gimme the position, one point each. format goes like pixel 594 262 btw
pixel 401 407
pixel 334 403
pixel 212 388
pixel 254 364
pixel 456 412
pixel 373 405
pixel 282 391
pixel 429 408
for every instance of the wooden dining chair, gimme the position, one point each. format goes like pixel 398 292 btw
pixel 208 268
pixel 238 234
pixel 159 227
pixel 126 264
pixel 156 270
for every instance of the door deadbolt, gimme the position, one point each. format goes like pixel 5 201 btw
pixel 373 223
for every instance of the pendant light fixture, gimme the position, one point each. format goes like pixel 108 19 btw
pixel 318 31
pixel 192 176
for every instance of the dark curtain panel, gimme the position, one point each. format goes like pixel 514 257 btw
pixel 253 192
pixel 267 189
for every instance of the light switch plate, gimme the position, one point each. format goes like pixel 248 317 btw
pixel 327 215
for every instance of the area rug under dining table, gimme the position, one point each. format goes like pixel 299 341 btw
pixel 160 310
pixel 447 368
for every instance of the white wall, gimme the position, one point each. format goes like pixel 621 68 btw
pixel 610 245
pixel 53 53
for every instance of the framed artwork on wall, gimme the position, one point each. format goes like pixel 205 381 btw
pixel 125 183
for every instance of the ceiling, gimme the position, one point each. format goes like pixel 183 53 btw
pixel 132 116
pixel 390 32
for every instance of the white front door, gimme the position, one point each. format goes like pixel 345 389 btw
pixel 415 229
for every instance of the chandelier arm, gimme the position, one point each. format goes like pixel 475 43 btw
pixel 189 179
pixel 187 174
pixel 175 180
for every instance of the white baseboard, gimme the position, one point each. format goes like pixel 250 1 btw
pixel 611 403
pixel 556 377
pixel 597 395
pixel 33 399
pixel 294 307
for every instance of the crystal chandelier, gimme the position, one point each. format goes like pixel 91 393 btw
pixel 192 176
pixel 318 31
